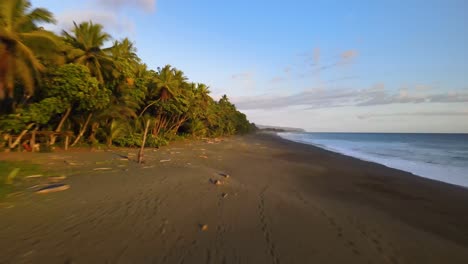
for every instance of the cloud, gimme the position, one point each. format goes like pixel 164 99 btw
pixel 277 79
pixel 242 76
pixel 110 20
pixel 316 56
pixel 429 114
pixel 344 78
pixel 145 5
pixel 313 62
pixel 320 98
pixel 112 14
pixel 349 55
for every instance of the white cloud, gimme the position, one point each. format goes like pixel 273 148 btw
pixel 246 76
pixel 112 14
pixel 111 21
pixel 145 5
pixel 411 114
pixel 321 98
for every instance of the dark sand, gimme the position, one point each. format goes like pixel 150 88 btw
pixel 285 203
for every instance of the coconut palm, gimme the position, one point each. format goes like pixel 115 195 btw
pixel 87 39
pixel 21 42
pixel 167 83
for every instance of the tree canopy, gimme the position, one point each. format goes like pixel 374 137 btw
pixel 101 95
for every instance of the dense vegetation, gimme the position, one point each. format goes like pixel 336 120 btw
pixel 100 95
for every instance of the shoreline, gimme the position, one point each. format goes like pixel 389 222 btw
pixel 372 159
pixel 284 202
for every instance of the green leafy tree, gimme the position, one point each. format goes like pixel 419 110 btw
pixel 79 92
pixel 21 42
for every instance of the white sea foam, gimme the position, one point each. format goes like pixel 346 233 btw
pixel 442 157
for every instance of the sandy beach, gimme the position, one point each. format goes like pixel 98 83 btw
pixel 283 202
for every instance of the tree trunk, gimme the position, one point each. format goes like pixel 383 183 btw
pixel 32 142
pixel 59 127
pixel 82 131
pixel 140 154
pixel 109 135
pixel 156 124
pixel 92 136
pixel 146 108
pixel 179 123
pixel 18 140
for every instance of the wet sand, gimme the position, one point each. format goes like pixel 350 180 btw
pixel 284 202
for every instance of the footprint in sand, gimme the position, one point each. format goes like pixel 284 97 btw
pixel 267 230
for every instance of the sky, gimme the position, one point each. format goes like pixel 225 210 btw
pixel 321 65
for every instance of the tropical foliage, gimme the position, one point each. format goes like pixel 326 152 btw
pixel 96 89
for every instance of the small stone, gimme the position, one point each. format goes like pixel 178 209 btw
pixel 216 182
pixel 225 175
pixel 203 227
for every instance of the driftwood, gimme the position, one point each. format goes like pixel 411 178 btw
pixel 20 136
pixel 33 135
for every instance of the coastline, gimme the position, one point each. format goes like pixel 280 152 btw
pixel 420 168
pixel 287 202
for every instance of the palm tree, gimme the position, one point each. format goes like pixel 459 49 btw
pixel 87 39
pixel 167 83
pixel 202 93
pixel 126 62
pixel 21 42
pixel 125 50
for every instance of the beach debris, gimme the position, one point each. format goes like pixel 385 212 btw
pixel 216 182
pixel 53 188
pixel 165 160
pixel 101 169
pixel 203 227
pixel 34 176
pixel 225 175
pixel 57 178
pixel 224 195
pixel 12 176
pixel 147 167
pixel 203 156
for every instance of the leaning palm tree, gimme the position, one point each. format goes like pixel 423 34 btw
pixel 164 85
pixel 21 42
pixel 87 39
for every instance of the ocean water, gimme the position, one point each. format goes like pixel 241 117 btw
pixel 442 157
